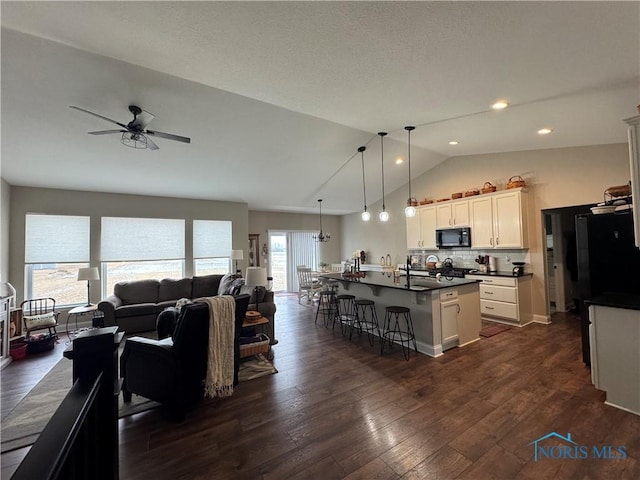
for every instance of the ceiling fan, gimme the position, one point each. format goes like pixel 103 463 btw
pixel 135 134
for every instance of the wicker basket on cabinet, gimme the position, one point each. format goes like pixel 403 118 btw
pixel 488 187
pixel 516 181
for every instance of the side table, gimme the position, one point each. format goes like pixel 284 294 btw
pixel 83 310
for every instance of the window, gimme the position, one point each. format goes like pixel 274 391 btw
pixel 140 248
pixel 56 246
pixel 211 246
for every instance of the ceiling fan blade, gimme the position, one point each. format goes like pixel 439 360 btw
pixel 99 116
pixel 151 144
pixel 106 132
pixel 142 120
pixel 168 136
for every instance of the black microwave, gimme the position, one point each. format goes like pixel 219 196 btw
pixel 453 237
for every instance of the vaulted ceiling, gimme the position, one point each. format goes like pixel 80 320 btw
pixel 278 96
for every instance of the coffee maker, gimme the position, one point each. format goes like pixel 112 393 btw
pixel 518 269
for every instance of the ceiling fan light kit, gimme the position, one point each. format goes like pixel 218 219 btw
pixel 135 134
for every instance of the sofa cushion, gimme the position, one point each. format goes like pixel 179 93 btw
pixel 226 284
pixel 171 289
pixel 166 304
pixel 205 286
pixel 138 291
pixel 137 310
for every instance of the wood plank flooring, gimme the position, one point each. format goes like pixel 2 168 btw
pixel 339 410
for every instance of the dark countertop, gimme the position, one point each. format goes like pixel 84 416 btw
pixel 418 284
pixel 630 301
pixel 505 273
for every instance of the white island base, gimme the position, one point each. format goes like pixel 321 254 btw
pixel 442 318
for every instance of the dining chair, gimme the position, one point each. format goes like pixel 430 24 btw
pixel 307 285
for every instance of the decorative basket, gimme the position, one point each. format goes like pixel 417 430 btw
pixel 412 202
pixel 424 201
pixel 456 195
pixel 516 182
pixel 250 349
pixel 18 350
pixel 40 343
pixel 488 187
pixel 618 191
pixel 472 192
pixel 443 199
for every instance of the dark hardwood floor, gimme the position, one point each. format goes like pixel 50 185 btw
pixel 339 410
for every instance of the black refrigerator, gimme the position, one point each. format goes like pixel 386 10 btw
pixel 608 262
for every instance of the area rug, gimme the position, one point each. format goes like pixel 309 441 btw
pixel 255 367
pixel 491 330
pixel 25 422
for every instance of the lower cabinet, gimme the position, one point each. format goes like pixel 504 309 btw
pixel 449 311
pixel 505 299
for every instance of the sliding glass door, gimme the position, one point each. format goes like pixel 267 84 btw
pixel 288 249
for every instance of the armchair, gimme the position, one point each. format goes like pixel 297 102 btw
pixel 170 371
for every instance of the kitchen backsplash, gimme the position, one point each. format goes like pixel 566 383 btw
pixel 465 258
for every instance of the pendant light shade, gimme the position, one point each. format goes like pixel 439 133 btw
pixel 365 215
pixel 410 211
pixel 322 236
pixel 383 215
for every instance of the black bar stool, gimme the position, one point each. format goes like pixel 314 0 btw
pixel 404 333
pixel 366 319
pixel 346 312
pixel 327 306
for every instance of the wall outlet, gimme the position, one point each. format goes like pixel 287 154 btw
pixel 507 258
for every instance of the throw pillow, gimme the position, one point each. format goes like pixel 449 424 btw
pixel 236 286
pixel 226 284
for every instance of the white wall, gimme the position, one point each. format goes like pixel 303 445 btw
pixel 96 205
pixel 555 177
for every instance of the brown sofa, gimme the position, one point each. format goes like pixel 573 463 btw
pixel 134 306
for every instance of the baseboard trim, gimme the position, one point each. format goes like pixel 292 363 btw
pixel 544 319
pixel 430 350
pixel 469 342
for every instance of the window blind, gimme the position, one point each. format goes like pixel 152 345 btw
pixel 302 249
pixel 211 238
pixel 129 239
pixel 56 239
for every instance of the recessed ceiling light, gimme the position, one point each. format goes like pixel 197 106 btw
pixel 453 142
pixel 545 131
pixel 499 105
pixel 399 160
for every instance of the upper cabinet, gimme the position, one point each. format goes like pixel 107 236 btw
pixel 499 220
pixel 452 214
pixel 421 229
pixel 634 159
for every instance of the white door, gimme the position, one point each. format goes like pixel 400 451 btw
pixel 413 231
pixel 481 223
pixel 460 213
pixel 428 227
pixel 507 221
pixel 449 315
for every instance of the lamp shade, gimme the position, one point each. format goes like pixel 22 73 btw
pixel 256 277
pixel 237 255
pixel 89 273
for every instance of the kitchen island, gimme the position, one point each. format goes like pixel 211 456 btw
pixel 445 311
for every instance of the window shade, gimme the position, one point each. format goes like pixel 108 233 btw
pixel 128 239
pixel 211 238
pixel 56 239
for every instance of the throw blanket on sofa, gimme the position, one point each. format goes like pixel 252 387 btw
pixel 219 379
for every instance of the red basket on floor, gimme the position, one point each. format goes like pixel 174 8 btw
pixel 18 351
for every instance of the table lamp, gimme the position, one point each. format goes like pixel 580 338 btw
pixel 88 274
pixel 256 277
pixel 237 255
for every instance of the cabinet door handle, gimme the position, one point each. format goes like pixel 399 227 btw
pixel 488 308
pixel 487 281
pixel 491 242
pixel 458 307
pixel 497 240
pixel 488 292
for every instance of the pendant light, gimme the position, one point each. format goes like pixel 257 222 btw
pixel 321 237
pixel 383 215
pixel 365 215
pixel 410 211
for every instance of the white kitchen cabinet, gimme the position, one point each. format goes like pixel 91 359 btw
pixel 505 299
pixel 421 229
pixel 499 220
pixel 449 311
pixel 452 214
pixel 634 161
